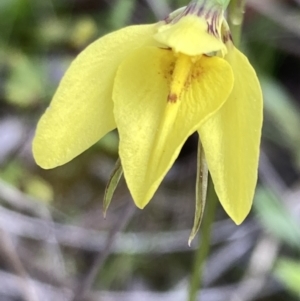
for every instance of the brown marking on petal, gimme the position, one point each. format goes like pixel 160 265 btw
pixel 212 21
pixel 187 84
pixel 227 37
pixel 172 98
pixel 168 72
pixel 165 48
pixel 208 14
pixel 194 75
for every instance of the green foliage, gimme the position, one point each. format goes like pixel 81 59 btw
pixel 25 83
pixel 121 13
pixel 283 115
pixel 288 272
pixel 223 3
pixel 276 218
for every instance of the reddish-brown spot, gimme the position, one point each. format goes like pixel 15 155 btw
pixel 172 97
pixel 168 72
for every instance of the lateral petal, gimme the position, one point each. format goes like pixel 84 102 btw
pixel 152 129
pixel 231 140
pixel 81 111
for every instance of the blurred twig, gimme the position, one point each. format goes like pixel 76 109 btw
pixel 129 243
pixel 12 260
pixel 14 134
pixel 211 294
pixel 17 199
pixel 233 251
pixel 9 286
pixel 20 200
pixel 87 282
pixel 269 175
pixel 261 263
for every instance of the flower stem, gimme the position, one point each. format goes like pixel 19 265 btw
pixel 204 242
pixel 236 11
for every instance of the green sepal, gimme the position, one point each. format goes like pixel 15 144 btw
pixel 223 3
pixel 212 3
pixel 201 190
pixel 175 14
pixel 112 185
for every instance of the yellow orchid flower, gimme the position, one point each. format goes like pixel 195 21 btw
pixel 157 84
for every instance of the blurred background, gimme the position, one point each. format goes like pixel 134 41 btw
pixel 54 241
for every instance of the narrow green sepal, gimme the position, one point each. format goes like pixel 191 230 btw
pixel 175 14
pixel 212 3
pixel 201 191
pixel 112 185
pixel 223 3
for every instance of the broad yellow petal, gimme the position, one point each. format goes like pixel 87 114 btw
pixel 231 140
pixel 152 125
pixel 189 36
pixel 81 111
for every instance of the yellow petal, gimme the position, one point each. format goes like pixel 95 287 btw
pixel 81 111
pixel 152 129
pixel 231 140
pixel 189 36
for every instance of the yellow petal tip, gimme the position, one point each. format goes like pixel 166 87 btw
pixel 238 217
